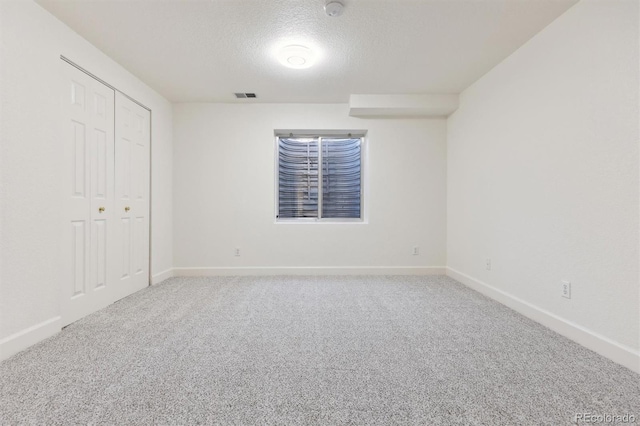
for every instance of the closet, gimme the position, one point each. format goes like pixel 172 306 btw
pixel 107 155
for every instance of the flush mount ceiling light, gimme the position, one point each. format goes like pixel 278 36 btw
pixel 296 56
pixel 333 8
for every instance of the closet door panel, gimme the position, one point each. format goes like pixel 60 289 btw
pixel 132 192
pixel 89 153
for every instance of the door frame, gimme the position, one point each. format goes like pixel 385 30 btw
pixel 90 74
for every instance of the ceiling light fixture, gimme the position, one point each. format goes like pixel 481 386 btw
pixel 296 56
pixel 334 9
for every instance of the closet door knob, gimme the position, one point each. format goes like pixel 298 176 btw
pixel 100 209
pixel 126 209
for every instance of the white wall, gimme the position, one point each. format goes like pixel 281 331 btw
pixel 224 193
pixel 543 178
pixel 32 172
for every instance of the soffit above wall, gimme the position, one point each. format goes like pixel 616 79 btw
pixel 434 105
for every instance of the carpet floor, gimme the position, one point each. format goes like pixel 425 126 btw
pixel 311 350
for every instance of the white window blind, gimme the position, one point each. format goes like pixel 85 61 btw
pixel 319 177
pixel 341 178
pixel 298 177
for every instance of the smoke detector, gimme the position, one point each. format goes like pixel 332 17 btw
pixel 334 8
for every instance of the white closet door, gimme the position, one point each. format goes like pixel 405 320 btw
pixel 89 153
pixel 132 195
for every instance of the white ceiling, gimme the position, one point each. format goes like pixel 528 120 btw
pixel 204 51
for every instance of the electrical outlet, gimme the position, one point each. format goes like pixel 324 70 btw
pixel 236 252
pixel 416 251
pixel 565 288
pixel 488 264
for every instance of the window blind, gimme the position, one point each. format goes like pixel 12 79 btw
pixel 298 177
pixel 341 182
pixel 319 177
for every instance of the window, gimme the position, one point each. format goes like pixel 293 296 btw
pixel 319 177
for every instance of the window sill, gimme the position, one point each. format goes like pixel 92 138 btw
pixel 320 222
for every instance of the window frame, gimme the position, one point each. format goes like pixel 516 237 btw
pixel 321 134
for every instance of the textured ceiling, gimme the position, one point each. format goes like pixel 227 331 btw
pixel 207 50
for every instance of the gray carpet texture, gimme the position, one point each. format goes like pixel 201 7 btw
pixel 385 350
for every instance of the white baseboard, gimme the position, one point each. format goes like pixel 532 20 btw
pixel 602 345
pixel 23 339
pixel 161 276
pixel 311 270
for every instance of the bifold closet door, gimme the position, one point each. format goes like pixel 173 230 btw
pixel 132 168
pixel 89 154
pixel 107 152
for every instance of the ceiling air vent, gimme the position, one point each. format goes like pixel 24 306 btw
pixel 245 95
